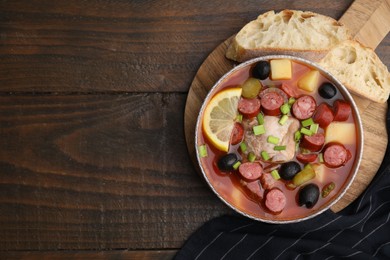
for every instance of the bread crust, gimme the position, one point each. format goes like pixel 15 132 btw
pixel 355 65
pixel 284 33
pixel 236 53
pixel 359 69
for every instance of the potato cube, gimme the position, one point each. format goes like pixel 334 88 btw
pixel 319 169
pixel 341 132
pixel 309 81
pixel 281 69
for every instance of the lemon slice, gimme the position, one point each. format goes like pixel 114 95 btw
pixel 219 117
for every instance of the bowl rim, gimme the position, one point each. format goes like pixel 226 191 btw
pixel 359 131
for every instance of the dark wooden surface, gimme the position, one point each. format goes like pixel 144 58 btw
pixel 93 159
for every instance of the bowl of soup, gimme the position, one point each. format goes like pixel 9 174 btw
pixel 279 139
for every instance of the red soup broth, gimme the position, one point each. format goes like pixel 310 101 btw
pixel 228 185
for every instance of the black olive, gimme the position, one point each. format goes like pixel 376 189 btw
pixel 261 70
pixel 226 162
pixel 288 170
pixel 327 90
pixel 308 195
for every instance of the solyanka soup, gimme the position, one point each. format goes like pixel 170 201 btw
pixel 278 139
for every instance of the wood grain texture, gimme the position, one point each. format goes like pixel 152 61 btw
pixel 117 254
pixel 117 45
pixel 97 172
pixel 368 21
pixel 92 98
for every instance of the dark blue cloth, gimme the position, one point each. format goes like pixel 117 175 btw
pixel 360 231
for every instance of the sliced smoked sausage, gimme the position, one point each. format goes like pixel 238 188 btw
pixel 314 142
pixel 250 171
pixel 267 181
pixel 253 189
pixel 336 155
pixel 304 107
pixel 323 115
pixel 237 134
pixel 275 200
pixel 306 157
pixel 272 99
pixel 249 107
pixel 342 110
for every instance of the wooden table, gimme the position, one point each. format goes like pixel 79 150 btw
pixel 93 159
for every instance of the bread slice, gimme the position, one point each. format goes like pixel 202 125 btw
pixel 305 34
pixel 359 69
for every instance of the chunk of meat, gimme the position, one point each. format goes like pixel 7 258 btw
pixel 275 200
pixel 323 115
pixel 342 110
pixel 336 155
pixel 306 158
pixel 314 142
pixel 253 189
pixel 237 134
pixel 249 107
pixel 267 181
pixel 272 99
pixel 290 90
pixel 285 134
pixel 304 107
pixel 250 171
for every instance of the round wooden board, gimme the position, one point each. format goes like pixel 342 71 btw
pixel 373 116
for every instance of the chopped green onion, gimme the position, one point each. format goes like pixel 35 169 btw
pixel 321 157
pixel 202 150
pixel 239 118
pixel 236 165
pixel 251 157
pixel 265 155
pixel 306 131
pixel 260 118
pixel 279 147
pixel 285 108
pixel 314 128
pixel 258 129
pixel 272 139
pixel 291 101
pixel 307 122
pixel 243 147
pixel 297 136
pixel 283 119
pixel 275 174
